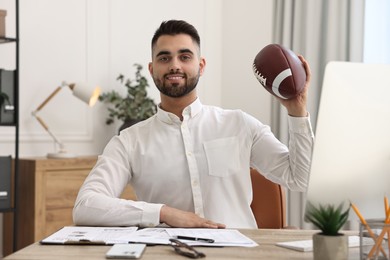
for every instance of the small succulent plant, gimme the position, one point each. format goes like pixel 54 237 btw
pixel 328 218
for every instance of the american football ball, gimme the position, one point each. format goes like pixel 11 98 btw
pixel 280 71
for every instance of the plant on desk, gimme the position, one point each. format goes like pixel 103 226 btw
pixel 329 244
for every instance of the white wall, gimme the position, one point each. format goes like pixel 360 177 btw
pixel 247 28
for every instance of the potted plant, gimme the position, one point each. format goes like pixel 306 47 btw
pixel 329 244
pixel 135 106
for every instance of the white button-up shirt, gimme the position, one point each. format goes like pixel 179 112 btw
pixel 200 164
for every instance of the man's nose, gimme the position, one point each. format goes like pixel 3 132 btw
pixel 175 65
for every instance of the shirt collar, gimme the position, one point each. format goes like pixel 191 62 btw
pixel 192 110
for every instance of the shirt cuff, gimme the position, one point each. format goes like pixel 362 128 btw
pixel 151 215
pixel 300 125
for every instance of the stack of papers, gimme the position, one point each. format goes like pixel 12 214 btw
pixel 120 235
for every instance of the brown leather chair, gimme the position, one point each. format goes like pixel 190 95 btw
pixel 269 202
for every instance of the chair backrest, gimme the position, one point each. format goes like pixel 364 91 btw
pixel 269 202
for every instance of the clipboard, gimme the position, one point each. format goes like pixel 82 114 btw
pixel 82 235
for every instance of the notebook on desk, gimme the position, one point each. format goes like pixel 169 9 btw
pixel 351 155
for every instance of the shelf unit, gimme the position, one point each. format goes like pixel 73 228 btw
pixel 13 209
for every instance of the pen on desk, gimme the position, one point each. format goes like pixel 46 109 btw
pixel 84 242
pixel 208 240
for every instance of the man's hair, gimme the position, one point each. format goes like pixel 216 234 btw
pixel 174 27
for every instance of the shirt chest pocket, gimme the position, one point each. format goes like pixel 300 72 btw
pixel 222 156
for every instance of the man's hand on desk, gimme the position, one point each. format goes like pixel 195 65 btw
pixel 178 218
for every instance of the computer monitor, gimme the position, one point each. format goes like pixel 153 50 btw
pixel 351 156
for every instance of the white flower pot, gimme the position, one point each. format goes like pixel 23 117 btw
pixel 330 247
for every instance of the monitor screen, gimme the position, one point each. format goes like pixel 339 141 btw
pixel 351 156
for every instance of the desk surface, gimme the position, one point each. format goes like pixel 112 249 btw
pixel 266 238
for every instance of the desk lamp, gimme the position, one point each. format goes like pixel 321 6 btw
pixel 84 92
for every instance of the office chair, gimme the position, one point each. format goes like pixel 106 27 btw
pixel 269 202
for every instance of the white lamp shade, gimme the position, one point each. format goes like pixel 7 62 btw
pixel 87 93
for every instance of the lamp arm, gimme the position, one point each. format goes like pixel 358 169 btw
pixel 40 120
pixel 48 99
pixel 44 125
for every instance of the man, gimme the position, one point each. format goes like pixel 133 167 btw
pixel 189 163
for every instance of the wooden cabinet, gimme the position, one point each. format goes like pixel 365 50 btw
pixel 47 190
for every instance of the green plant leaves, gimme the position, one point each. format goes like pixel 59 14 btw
pixel 328 218
pixel 136 105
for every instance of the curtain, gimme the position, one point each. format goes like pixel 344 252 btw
pixel 321 31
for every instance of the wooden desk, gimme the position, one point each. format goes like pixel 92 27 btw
pixel 266 238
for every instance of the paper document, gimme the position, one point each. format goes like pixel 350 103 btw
pixel 161 236
pixel 221 237
pixel 90 235
pixel 158 236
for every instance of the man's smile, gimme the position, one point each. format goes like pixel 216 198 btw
pixel 174 76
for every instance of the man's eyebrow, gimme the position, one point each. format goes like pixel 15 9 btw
pixel 168 52
pixel 185 51
pixel 163 53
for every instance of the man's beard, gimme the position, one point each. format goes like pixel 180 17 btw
pixel 175 90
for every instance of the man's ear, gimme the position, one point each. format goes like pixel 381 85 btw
pixel 150 67
pixel 202 65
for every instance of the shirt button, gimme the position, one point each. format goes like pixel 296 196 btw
pixel 195 183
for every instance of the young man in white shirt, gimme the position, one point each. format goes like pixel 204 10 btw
pixel 189 164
